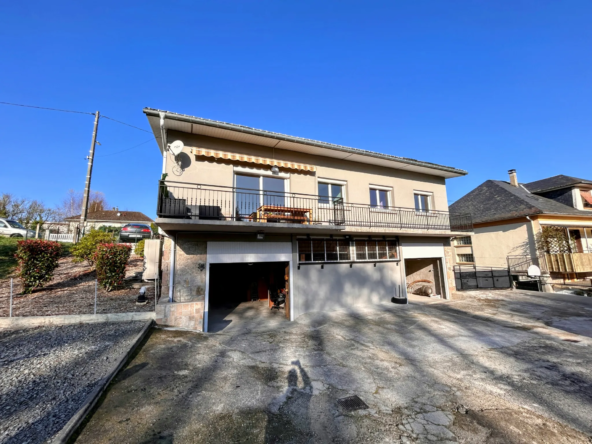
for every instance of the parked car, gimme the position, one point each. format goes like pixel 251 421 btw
pixel 135 233
pixel 11 228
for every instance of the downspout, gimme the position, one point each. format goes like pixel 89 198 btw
pixel 172 270
pixel 163 142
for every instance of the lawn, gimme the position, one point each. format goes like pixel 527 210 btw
pixel 7 250
pixel 7 260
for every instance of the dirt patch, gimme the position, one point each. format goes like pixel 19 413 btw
pixel 72 291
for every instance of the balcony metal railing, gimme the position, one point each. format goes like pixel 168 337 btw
pixel 212 202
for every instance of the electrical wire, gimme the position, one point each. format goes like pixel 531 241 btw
pixel 127 149
pixel 126 124
pixel 50 109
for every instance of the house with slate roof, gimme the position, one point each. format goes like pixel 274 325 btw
pixel 507 215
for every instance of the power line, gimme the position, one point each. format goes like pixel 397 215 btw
pixel 126 124
pixel 50 109
pixel 127 149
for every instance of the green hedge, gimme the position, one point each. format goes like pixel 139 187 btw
pixel 86 248
pixel 139 250
pixel 37 261
pixel 111 261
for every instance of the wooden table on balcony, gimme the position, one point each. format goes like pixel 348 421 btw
pixel 267 213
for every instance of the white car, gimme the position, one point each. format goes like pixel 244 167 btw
pixel 11 228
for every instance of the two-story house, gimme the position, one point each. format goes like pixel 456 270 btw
pixel 512 220
pixel 253 215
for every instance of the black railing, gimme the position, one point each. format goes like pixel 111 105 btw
pixel 212 202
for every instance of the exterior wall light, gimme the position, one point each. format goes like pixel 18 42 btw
pixel 260 236
pixel 275 170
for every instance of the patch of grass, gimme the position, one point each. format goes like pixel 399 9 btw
pixel 7 261
pixel 7 250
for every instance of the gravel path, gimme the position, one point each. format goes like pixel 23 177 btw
pixel 46 374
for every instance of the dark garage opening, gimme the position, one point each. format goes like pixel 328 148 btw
pixel 246 292
pixel 424 277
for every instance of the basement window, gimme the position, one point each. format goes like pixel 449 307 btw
pixel 331 250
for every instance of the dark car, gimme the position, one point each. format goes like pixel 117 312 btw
pixel 135 233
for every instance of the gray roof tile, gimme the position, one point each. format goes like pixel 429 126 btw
pixel 496 200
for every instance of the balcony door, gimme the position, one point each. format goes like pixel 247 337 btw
pixel 254 191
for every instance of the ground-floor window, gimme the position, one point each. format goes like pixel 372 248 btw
pixel 332 250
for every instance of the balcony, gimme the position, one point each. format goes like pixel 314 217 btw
pixel 183 203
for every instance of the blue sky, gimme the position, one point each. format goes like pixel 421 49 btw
pixel 480 85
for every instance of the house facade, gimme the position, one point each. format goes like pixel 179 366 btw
pixel 249 214
pixel 509 216
pixel 108 218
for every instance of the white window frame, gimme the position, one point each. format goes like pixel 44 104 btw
pixel 389 197
pixel 255 172
pixel 343 184
pixel 352 251
pixel 430 200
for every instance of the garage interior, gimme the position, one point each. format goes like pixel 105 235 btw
pixel 247 292
pixel 424 277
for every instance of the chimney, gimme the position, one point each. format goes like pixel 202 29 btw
pixel 513 178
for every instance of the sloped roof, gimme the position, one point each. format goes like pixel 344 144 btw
pixel 215 128
pixel 554 183
pixel 114 216
pixel 496 200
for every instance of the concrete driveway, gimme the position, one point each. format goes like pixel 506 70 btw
pixel 499 367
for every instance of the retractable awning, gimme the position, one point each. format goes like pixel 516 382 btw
pixel 251 159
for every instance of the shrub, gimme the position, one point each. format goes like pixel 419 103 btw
pixel 110 261
pixel 109 229
pixel 139 250
pixel 37 261
pixel 85 249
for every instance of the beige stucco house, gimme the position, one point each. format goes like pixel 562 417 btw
pixel 108 218
pixel 508 216
pixel 255 215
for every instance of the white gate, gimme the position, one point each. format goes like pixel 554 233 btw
pixel 61 237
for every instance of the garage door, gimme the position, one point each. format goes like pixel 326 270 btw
pixel 237 252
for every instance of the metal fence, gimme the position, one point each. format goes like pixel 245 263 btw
pixel 471 277
pixel 76 295
pixel 210 202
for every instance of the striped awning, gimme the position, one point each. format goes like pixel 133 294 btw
pixel 252 159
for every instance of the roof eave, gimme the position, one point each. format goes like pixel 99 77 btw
pixel 452 172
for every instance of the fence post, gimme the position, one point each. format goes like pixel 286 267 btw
pixel 95 296
pixel 10 308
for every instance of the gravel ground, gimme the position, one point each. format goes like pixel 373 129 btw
pixel 72 292
pixel 47 373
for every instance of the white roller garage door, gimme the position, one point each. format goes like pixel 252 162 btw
pixel 237 252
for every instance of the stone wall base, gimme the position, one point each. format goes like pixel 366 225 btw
pixel 188 315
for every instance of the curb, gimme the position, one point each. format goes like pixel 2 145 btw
pixel 37 321
pixel 64 435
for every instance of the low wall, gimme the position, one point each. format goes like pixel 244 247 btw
pixel 187 315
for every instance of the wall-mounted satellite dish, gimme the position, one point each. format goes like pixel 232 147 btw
pixel 533 271
pixel 176 147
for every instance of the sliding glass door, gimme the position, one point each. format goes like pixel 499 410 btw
pixel 254 191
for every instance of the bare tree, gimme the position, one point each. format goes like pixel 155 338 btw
pixel 72 203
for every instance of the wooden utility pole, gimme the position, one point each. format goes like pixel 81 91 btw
pixel 90 158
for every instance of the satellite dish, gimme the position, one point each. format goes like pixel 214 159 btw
pixel 533 271
pixel 176 147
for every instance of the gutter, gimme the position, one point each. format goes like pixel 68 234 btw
pixel 310 142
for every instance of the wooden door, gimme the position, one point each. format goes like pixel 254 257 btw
pixel 287 280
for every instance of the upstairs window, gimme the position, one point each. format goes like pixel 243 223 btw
pixel 423 201
pixel 380 198
pixel 465 240
pixel 330 192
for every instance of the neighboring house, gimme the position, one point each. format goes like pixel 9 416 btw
pixel 110 218
pixel 507 217
pixel 248 213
